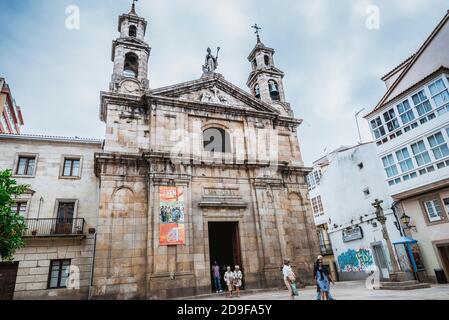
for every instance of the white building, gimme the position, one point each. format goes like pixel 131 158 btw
pixel 410 125
pixel 349 186
pixel 319 214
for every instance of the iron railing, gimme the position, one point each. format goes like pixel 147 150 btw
pixel 326 248
pixel 54 227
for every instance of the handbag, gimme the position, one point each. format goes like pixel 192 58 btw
pixel 295 290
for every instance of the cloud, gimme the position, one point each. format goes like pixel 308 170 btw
pixel 331 60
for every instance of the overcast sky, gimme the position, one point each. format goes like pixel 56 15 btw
pixel 333 62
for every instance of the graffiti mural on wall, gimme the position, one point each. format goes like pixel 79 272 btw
pixel 365 258
pixel 356 261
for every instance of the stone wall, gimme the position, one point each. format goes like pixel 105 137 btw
pixel 274 223
pixel 33 274
pixel 152 143
pixel 47 187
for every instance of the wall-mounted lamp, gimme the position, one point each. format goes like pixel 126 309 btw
pixel 405 219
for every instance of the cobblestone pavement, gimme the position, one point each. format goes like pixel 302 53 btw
pixel 351 290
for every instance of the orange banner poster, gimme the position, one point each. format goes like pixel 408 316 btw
pixel 171 216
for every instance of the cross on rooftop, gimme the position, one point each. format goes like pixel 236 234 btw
pixel 257 28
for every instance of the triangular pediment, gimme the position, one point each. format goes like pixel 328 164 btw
pixel 432 56
pixel 214 89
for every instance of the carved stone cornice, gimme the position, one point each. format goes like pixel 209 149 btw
pixel 165 164
pixel 121 99
pixel 169 179
pixel 265 182
pixel 103 159
pixel 223 204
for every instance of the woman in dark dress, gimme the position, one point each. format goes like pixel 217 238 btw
pixel 323 280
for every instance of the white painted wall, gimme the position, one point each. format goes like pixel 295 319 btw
pixel 435 56
pixel 425 234
pixel 342 188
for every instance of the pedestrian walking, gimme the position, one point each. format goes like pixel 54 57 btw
pixel 315 269
pixel 229 279
pixel 217 277
pixel 237 281
pixel 289 279
pixel 323 280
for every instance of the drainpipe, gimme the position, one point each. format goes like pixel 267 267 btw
pixel 41 200
pixel 93 264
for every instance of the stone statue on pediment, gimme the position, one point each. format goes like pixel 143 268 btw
pixel 211 62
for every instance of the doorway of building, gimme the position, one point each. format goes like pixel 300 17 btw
pixel 224 247
pixel 8 274
pixel 381 262
pixel 443 250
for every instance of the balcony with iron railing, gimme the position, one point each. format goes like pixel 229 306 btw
pixel 54 228
pixel 326 248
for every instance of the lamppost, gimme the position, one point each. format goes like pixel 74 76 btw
pixel 380 216
pixel 357 122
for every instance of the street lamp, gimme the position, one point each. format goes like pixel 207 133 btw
pixel 405 219
pixel 380 216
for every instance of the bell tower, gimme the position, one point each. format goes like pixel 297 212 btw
pixel 265 80
pixel 130 54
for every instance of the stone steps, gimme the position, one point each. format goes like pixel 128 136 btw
pixel 223 294
pixel 403 285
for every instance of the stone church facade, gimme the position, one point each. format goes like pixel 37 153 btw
pixel 255 185
pixel 233 156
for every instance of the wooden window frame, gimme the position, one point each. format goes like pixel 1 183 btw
pixel 444 214
pixel 60 261
pixel 27 156
pixel 25 202
pixel 58 201
pixel 64 158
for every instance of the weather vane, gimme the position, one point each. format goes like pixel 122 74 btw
pixel 257 28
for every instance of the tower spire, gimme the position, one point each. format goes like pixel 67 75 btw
pixel 265 80
pixel 133 8
pixel 130 54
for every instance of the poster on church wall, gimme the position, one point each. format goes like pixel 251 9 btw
pixel 171 216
